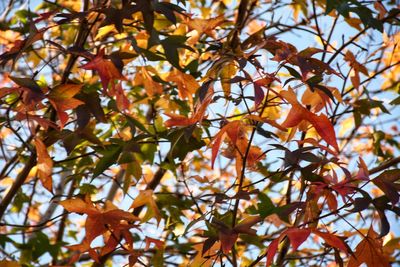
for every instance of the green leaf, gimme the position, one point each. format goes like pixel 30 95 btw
pixel 87 189
pixel 110 157
pixel 265 206
pixel 293 72
pixel 182 144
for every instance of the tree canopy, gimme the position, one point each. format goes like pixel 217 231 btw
pixel 199 133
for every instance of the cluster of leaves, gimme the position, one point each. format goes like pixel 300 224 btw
pixel 194 133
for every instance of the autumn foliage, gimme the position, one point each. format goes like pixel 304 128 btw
pixel 199 133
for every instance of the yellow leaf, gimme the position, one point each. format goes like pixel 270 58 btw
pixel 146 197
pixel 228 70
pixel 103 31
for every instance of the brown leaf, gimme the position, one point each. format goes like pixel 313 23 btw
pixel 387 182
pixel 228 239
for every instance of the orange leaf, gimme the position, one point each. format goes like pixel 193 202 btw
pixel 44 165
pixel 295 116
pixel 232 130
pixel 158 243
pixel 199 113
pixel 215 147
pixel 178 120
pixel 206 26
pixel 370 252
pixel 64 91
pixel 298 113
pixel 79 206
pixel 144 78
pixel 99 220
pixel 245 225
pixel 324 128
pixel 186 83
pixel 61 97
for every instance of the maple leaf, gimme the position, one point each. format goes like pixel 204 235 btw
pixel 357 68
pixel 115 236
pixel 120 98
pixel 387 181
pixel 44 165
pixel 158 243
pixel 144 78
pixel 21 45
pixel 98 220
pixel 228 70
pixel 186 83
pixel 237 145
pixel 198 114
pixel 332 240
pixel 105 68
pixel 228 236
pixel 31 92
pixel 206 26
pixel 369 251
pixel 298 113
pixel 39 120
pixel 298 236
pixel 272 249
pixel 146 197
pixel 266 82
pixel 231 129
pixel 61 97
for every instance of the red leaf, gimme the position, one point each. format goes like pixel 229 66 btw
pixel 297 236
pixel 273 247
pixel 105 68
pixel 258 94
pixel 331 239
pixel 324 128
